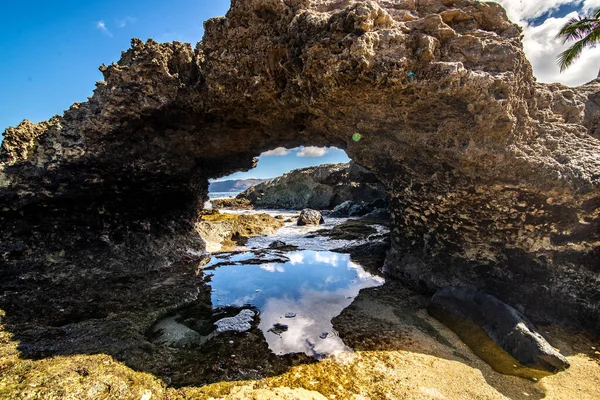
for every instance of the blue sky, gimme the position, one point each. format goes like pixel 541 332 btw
pixel 279 161
pixel 51 51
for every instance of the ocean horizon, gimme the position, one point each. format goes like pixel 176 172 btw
pixel 222 195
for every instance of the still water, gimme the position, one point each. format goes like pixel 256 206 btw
pixel 311 287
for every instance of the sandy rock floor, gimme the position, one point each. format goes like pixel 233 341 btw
pixel 400 353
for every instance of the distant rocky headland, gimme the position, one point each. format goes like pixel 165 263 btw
pixel 234 185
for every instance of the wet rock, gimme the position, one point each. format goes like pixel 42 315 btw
pixel 370 255
pixel 351 209
pixel 358 209
pixel 342 210
pixel 353 229
pixel 379 214
pixel 379 203
pixel 234 203
pixel 171 332
pixel 278 328
pixel 496 332
pixel 310 217
pixel 277 244
pixel 290 314
pixel 282 246
pixel 239 323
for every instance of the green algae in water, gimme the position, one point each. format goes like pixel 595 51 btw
pixel 315 285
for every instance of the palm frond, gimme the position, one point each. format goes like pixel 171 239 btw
pixel 585 31
pixel 567 57
pixel 575 29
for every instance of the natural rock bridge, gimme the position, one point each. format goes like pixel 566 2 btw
pixel 494 179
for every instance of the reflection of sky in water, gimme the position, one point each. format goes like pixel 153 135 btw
pixel 316 285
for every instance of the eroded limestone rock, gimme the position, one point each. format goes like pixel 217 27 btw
pixel 221 232
pixel 494 179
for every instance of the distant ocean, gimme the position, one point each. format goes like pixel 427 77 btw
pixel 222 195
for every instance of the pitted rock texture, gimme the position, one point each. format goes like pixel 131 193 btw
pixel 494 179
pixel 221 232
pixel 310 217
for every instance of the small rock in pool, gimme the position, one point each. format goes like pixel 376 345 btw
pixel 290 314
pixel 277 244
pixel 239 323
pixel 278 329
pixel 257 290
pixel 324 335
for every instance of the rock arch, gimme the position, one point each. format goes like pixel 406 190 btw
pixel 494 178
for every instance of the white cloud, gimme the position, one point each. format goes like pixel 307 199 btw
pixel 590 5
pixel 327 258
pixel 102 26
pixel 122 23
pixel 312 151
pixel 270 267
pixel 280 151
pixel 296 258
pixel 541 45
pixel 520 11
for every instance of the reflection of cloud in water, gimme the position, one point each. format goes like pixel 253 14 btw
pixel 314 312
pixel 272 267
pixel 328 258
pixel 316 286
pixel 296 258
pixel 332 279
pixel 362 274
pixel 238 302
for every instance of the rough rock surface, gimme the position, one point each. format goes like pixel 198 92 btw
pixel 496 332
pixel 493 179
pixel 358 209
pixel 321 187
pixel 310 217
pixel 222 232
pixel 238 323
